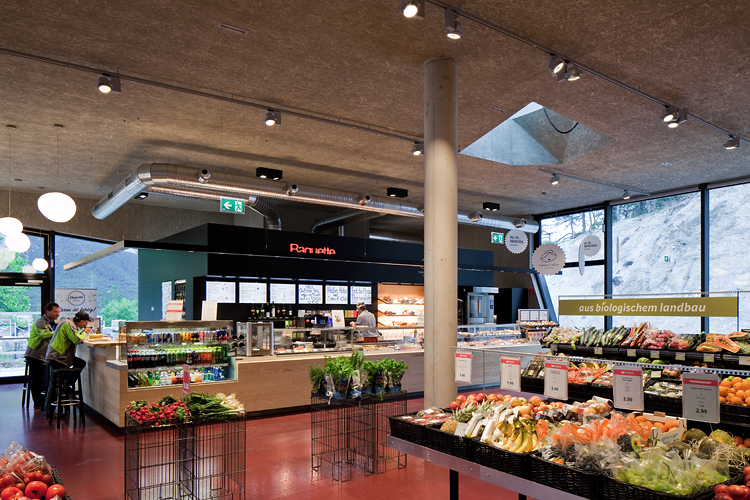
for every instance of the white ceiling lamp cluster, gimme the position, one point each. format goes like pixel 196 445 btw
pixel 57 206
pixel 563 70
pixel 415 10
pixel 673 116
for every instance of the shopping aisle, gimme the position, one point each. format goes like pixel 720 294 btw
pixel 90 460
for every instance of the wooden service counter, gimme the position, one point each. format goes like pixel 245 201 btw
pixel 262 383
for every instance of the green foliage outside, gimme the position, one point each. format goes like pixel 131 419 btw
pixel 118 307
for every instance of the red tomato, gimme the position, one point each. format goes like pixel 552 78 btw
pixel 746 470
pixel 54 490
pixel 7 480
pixel 720 488
pixel 11 492
pixel 32 476
pixel 47 479
pixel 36 489
pixel 20 485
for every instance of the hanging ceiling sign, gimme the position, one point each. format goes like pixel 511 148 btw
pixel 548 259
pixel 591 245
pixel 666 306
pixel 516 241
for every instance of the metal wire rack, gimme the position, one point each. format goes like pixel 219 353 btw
pixel 187 461
pixel 349 436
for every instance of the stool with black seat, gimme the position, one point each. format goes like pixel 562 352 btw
pixel 26 396
pixel 67 396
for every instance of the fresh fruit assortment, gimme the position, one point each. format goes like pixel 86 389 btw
pixel 665 388
pixel 735 391
pixel 26 475
pixel 194 406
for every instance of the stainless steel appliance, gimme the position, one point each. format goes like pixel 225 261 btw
pixel 481 305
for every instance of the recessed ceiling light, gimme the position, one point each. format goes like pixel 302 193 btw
pixel 490 206
pixel 394 192
pixel 141 196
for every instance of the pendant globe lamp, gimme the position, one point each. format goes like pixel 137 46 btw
pixel 18 242
pixel 40 265
pixel 57 206
pixel 10 225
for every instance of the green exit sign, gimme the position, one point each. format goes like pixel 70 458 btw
pixel 233 206
pixel 498 238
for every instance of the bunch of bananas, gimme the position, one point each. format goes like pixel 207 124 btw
pixel 518 435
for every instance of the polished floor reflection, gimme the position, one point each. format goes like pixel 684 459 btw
pixel 90 460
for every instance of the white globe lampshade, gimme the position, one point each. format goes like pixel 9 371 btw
pixel 28 269
pixel 40 265
pixel 10 225
pixel 18 242
pixel 57 207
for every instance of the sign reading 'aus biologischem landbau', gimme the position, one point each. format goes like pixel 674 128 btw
pixel 72 300
pixel 666 306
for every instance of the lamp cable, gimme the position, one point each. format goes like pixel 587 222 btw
pixel 553 125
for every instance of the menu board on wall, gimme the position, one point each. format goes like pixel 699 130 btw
pixel 337 294
pixel 283 293
pixel 310 294
pixel 253 293
pixel 221 291
pixel 361 294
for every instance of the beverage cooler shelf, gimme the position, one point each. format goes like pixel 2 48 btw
pixel 167 368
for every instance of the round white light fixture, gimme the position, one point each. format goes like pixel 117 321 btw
pixel 18 242
pixel 410 9
pixel 10 225
pixel 40 265
pixel 57 207
pixel 105 85
pixel 28 269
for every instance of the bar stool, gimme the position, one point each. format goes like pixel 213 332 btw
pixel 67 396
pixel 26 396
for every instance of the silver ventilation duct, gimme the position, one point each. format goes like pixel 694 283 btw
pixel 340 219
pixel 151 175
pixel 267 210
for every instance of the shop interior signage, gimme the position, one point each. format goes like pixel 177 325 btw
pixel 664 306
pixel 295 248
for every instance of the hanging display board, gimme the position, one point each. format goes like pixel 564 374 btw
pixel 360 294
pixel 310 294
pixel 591 245
pixel 516 241
pixel 222 292
pixel 337 294
pixel 72 300
pixel 548 259
pixel 627 385
pixel 664 306
pixel 253 293
pixel 283 293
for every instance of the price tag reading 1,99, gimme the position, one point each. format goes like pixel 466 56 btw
pixel 556 379
pixel 628 387
pixel 510 373
pixel 463 367
pixel 700 397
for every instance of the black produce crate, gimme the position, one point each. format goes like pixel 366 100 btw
pixel 579 392
pixel 734 414
pixel 614 489
pixel 458 446
pixel 533 385
pixel 603 391
pixel 565 478
pixel 407 430
pixel 502 460
pixel 670 406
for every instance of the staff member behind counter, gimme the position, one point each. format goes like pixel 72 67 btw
pixel 61 352
pixel 367 319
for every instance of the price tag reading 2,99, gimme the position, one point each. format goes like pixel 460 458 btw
pixel 628 387
pixel 700 397
pixel 510 373
pixel 556 379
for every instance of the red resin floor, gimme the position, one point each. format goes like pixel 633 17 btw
pixel 90 460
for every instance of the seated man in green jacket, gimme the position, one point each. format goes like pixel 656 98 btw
pixel 36 351
pixel 61 352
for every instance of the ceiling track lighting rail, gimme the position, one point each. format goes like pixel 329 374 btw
pixel 570 62
pixel 342 122
pixel 557 175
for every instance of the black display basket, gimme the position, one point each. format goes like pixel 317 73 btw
pixel 458 446
pixel 499 459
pixel 653 403
pixel 408 430
pixel 56 478
pixel 602 391
pixel 532 385
pixel 578 392
pixel 734 414
pixel 614 489
pixel 564 478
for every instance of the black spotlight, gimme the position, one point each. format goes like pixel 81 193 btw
pixel 397 192
pixel 141 196
pixel 491 207
pixel 261 172
pixel 275 174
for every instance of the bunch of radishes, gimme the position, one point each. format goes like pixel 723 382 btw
pixel 166 411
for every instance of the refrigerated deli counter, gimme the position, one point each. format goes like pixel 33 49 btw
pixel 267 368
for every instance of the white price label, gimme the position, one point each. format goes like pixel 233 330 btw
pixel 632 353
pixel 185 379
pixel 679 356
pixel 744 360
pixel 628 388
pixel 556 379
pixel 654 354
pixel 510 373
pixel 656 374
pixel 708 357
pixel 461 429
pixel 700 397
pixel 598 350
pixel 463 367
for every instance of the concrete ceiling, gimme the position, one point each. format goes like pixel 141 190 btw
pixel 360 61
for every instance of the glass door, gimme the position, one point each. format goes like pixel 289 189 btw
pixel 20 307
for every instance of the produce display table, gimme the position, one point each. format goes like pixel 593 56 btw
pixel 523 487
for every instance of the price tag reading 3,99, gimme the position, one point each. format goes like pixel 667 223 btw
pixel 556 379
pixel 628 388
pixel 700 397
pixel 463 367
pixel 510 373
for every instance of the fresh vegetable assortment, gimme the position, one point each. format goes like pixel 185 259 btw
pixel 194 406
pixel 352 376
pixel 27 475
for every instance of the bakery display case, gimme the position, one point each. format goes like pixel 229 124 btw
pixel 157 351
pixel 331 340
pixel 490 335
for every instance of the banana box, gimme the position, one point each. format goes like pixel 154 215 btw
pixel 677 427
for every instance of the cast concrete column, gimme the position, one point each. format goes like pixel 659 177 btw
pixel 440 229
